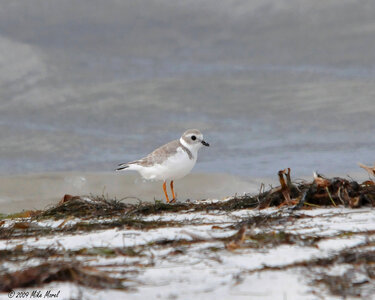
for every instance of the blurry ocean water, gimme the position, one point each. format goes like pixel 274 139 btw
pixel 272 84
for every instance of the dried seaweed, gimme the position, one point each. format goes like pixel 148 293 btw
pixel 58 271
pixel 320 192
pixel 84 207
pixel 29 229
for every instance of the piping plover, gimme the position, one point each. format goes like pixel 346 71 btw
pixel 171 161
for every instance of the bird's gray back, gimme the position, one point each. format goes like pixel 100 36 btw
pixel 161 154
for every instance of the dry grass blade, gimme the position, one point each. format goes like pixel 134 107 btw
pixel 370 170
pixel 284 186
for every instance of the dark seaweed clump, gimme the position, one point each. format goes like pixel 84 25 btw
pixel 320 192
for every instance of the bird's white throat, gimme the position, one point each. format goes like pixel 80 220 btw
pixel 192 148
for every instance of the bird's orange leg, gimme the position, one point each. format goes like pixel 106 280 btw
pixel 165 191
pixel 174 197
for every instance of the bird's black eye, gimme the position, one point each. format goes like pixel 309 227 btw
pixel 193 137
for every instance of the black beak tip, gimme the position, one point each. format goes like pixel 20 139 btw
pixel 205 144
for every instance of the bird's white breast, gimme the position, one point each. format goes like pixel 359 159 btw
pixel 174 167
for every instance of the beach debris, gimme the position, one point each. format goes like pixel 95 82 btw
pixel 238 239
pixel 359 273
pixel 324 183
pixel 320 180
pixel 335 191
pixel 58 271
pixel 22 214
pixel 370 170
pixel 66 198
pixel 62 224
pixel 286 187
pixel 22 228
pixel 321 191
pixel 368 182
pixel 80 206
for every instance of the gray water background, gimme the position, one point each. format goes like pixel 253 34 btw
pixel 85 85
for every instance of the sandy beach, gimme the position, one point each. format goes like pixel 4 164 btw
pixel 307 241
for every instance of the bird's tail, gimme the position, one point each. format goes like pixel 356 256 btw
pixel 122 167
